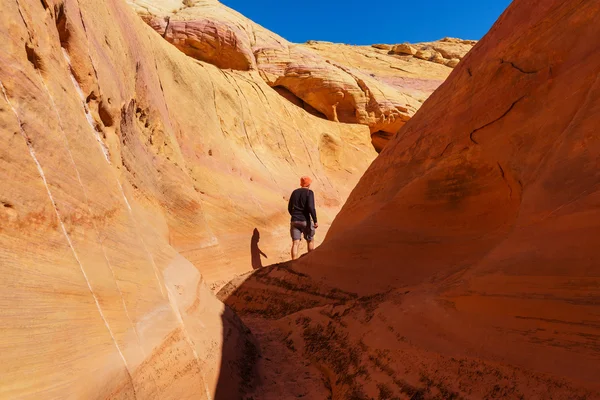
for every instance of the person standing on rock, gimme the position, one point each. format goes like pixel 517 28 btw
pixel 302 209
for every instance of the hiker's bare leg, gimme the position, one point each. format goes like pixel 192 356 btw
pixel 310 245
pixel 295 245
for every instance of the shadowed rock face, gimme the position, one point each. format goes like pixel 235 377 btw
pixel 379 86
pixel 466 260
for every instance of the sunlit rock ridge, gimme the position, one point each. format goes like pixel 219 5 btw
pixel 380 86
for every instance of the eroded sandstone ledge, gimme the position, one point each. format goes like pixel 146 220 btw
pixel 379 86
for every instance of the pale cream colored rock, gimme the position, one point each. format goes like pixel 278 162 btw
pixel 404 48
pixel 452 63
pixel 387 47
pixel 453 48
pixel 338 90
pixel 438 58
pixel 458 41
pixel 425 54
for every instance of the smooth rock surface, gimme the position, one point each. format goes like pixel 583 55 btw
pixel 131 176
pixel 465 263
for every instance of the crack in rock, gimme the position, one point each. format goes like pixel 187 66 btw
pixel 496 120
pixel 502 61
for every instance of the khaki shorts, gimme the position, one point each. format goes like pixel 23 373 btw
pixel 297 228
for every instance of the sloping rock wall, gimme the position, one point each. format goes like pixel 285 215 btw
pixel 130 176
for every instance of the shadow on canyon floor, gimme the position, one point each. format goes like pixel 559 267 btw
pixel 287 335
pixel 242 359
pixel 259 359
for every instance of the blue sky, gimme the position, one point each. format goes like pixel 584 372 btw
pixel 369 22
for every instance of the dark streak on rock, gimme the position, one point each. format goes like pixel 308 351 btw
pixel 23 19
pixel 168 19
pixel 502 61
pixel 33 57
pixel 445 148
pixel 501 170
pixel 497 119
pixel 505 180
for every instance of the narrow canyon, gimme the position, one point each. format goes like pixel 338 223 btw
pixel 148 149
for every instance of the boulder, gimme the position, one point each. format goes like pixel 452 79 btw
pixel 425 54
pixel 404 48
pixel 382 47
pixel 438 58
pixel 452 63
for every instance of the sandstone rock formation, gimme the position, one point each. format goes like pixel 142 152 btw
pixel 382 94
pixel 404 48
pixel 389 76
pixel 131 174
pixel 465 264
pixel 448 48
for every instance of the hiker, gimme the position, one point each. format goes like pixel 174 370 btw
pixel 302 208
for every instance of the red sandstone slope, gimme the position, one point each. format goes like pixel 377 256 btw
pixel 493 190
pixel 473 238
pixel 499 171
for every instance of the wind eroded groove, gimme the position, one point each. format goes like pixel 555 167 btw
pixel 401 69
pixel 496 120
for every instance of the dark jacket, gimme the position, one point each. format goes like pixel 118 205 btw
pixel 302 205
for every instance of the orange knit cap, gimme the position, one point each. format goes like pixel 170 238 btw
pixel 305 181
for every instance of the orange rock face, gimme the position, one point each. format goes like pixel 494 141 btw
pixel 465 264
pixel 380 88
